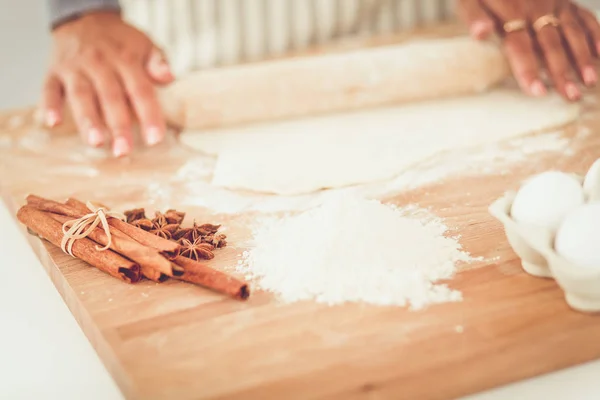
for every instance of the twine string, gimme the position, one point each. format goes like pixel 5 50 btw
pixel 80 228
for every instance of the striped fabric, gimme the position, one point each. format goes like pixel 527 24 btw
pixel 207 33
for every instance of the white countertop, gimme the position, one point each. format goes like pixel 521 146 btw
pixel 43 353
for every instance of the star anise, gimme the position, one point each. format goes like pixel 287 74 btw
pixel 161 227
pixel 203 231
pixel 174 217
pixel 167 226
pixel 196 250
pixel 217 241
pixel 182 233
pixel 143 223
pixel 207 229
pixel 159 219
pixel 135 214
pixel 165 232
pixel 196 231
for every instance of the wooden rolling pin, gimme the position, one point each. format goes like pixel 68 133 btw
pixel 329 80
pixel 294 87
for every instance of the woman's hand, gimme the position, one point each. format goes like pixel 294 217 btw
pixel 106 70
pixel 558 34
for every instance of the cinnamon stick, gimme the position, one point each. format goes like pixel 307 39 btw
pixel 77 205
pixel 79 211
pixel 153 274
pixel 201 274
pixel 85 249
pixel 76 209
pixel 153 264
pixel 166 247
pixel 54 207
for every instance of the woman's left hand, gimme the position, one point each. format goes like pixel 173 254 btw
pixel 559 34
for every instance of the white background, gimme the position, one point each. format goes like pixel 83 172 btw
pixel 43 353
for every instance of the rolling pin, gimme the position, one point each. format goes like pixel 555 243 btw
pixel 342 81
pixel 329 82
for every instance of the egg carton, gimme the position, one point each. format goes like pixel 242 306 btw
pixel 535 247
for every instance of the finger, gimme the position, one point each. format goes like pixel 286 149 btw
pixel 52 101
pixel 115 108
pixel 592 26
pixel 84 106
pixel 480 24
pixel 519 46
pixel 579 49
pixel 158 68
pixel 144 101
pixel 519 49
pixel 557 62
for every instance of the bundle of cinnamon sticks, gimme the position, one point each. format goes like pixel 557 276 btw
pixel 132 252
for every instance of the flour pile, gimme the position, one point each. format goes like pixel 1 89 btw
pixel 354 250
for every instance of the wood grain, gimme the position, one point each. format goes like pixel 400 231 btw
pixel 179 341
pixel 175 340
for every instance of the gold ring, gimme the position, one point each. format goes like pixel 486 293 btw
pixel 545 20
pixel 514 25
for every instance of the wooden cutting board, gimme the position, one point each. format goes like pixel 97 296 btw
pixel 178 341
pixel 175 340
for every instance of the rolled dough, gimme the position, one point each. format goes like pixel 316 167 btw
pixel 306 155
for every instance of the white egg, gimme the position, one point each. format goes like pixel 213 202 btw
pixel 545 199
pixel 591 183
pixel 578 236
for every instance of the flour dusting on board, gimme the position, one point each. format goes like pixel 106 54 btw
pixel 354 250
pixel 492 159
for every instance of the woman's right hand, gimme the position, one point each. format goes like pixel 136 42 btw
pixel 106 71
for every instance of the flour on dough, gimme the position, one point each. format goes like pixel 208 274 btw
pixel 302 156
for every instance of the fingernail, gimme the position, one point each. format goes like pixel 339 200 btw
pixel 163 69
pixel 163 65
pixel 572 91
pixel 51 118
pixel 479 29
pixel 120 147
pixel 95 137
pixel 153 135
pixel 538 89
pixel 590 77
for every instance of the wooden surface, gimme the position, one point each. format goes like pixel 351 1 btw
pixel 178 341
